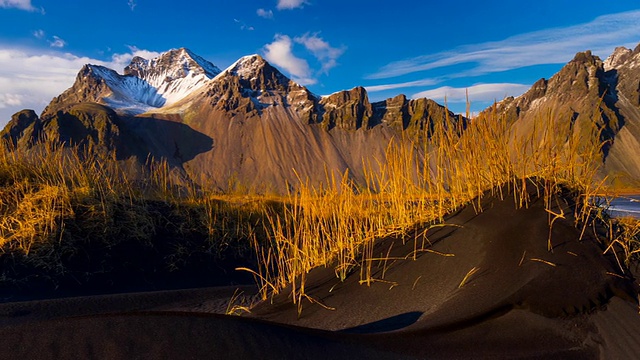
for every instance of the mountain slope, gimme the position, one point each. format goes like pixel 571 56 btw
pixel 251 125
pixel 588 93
pixel 248 125
pixel 624 154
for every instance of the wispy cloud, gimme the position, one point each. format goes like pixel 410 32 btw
pixel 280 53
pixel 39 34
pixel 321 50
pixel 243 25
pixel 9 100
pixel 477 93
pixel 267 14
pixel 132 4
pixel 18 4
pixel 57 42
pixel 30 79
pixel 290 4
pixel 549 46
pixel 408 84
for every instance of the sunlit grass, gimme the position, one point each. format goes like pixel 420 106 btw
pixel 52 194
pixel 417 184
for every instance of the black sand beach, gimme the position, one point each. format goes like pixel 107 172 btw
pixel 521 302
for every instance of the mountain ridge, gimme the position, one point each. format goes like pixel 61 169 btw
pixel 256 125
pixel 587 92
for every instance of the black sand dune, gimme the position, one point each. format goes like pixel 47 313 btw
pixel 522 302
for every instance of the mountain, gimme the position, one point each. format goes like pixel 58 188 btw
pixel 248 125
pixel 251 125
pixel 146 84
pixel 588 91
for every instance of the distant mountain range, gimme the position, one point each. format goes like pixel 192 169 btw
pixel 252 125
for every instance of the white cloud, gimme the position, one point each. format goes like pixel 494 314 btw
pixel 18 4
pixel 322 50
pixel 290 4
pixel 119 61
pixel 9 100
pixel 280 53
pixel 267 14
pixel 424 82
pixel 39 34
pixel 549 46
pixel 132 4
pixel 477 93
pixel 57 42
pixel 30 79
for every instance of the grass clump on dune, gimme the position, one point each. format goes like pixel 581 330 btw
pixel 70 219
pixel 419 183
pixel 69 216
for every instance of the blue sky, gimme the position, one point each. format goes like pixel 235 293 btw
pixel 429 49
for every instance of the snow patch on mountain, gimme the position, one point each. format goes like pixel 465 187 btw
pixel 156 83
pixel 129 94
pixel 247 67
pixel 617 58
pixel 175 74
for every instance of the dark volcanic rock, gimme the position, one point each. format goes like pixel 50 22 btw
pixel 23 127
pixel 86 123
pixel 347 110
pixel 415 117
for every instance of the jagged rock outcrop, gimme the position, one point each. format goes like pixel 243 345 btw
pixel 347 110
pixel 22 129
pixel 252 84
pixel 416 117
pixel 172 65
pixel 89 86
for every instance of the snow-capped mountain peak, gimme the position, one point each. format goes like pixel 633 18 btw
pixel 174 74
pixel 146 84
pixel 247 66
pixel 129 94
pixel 617 58
pixel 149 85
pixel 169 66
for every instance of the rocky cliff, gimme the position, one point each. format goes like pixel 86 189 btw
pixel 588 93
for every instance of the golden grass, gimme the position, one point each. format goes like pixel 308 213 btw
pixel 58 203
pixel 49 189
pixel 468 276
pixel 419 183
pixel 624 239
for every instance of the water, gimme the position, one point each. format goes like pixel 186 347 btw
pixel 628 205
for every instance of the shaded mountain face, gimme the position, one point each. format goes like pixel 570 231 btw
pixel 587 92
pixel 248 125
pixel 21 128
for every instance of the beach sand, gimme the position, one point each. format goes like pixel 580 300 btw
pixel 521 302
